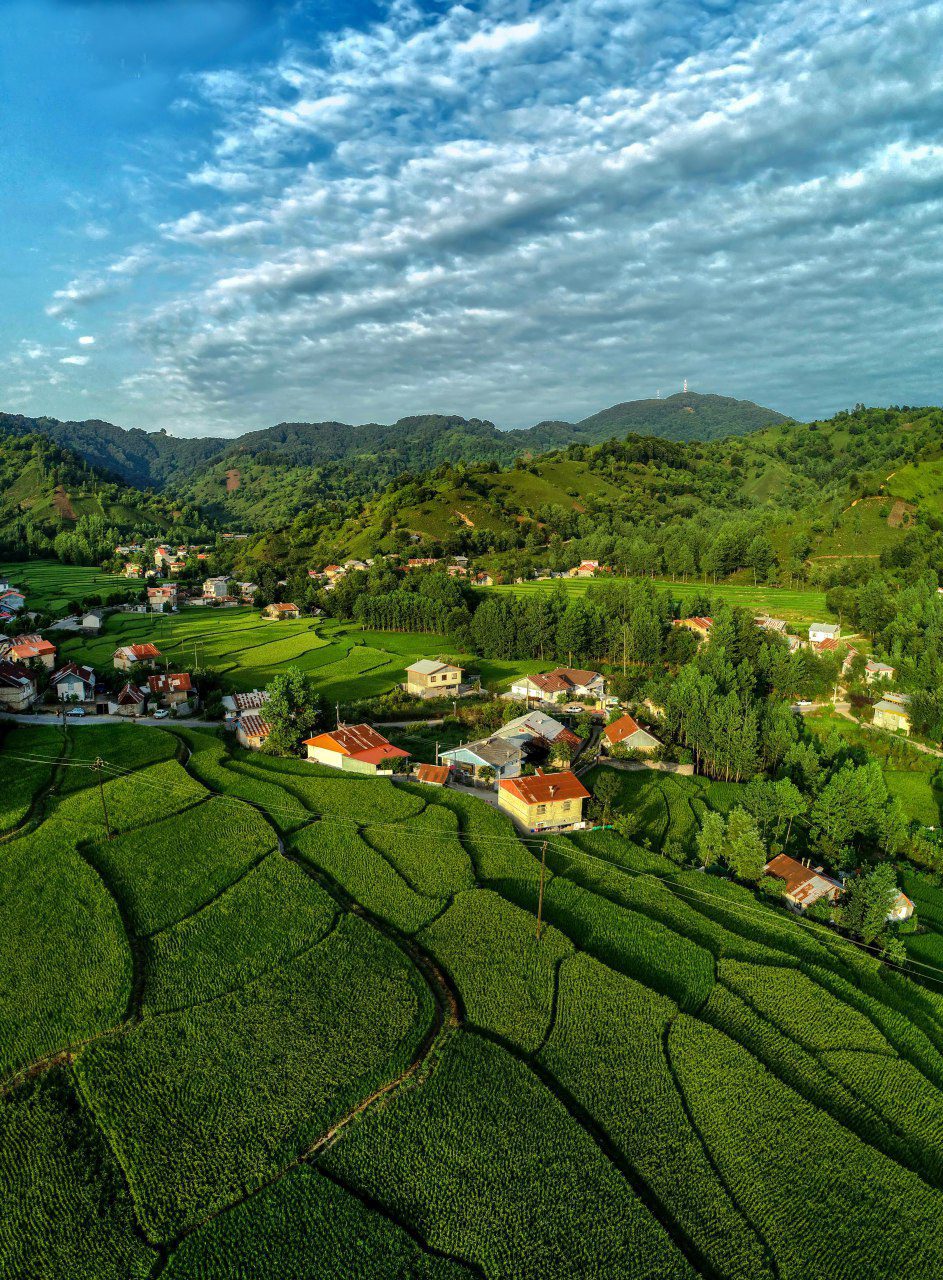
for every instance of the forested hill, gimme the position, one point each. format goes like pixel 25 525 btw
pixel 854 487
pixel 370 455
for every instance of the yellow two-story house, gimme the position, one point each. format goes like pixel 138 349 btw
pixel 544 802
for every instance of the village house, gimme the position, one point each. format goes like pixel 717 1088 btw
pixel 819 631
pixel 700 626
pixel 482 579
pixel 281 611
pixel 356 748
pixel 130 656
pixel 626 733
pixel 92 621
pixel 828 645
pixel 874 671
pixel 585 569
pixel 901 909
pixel 541 737
pixel 804 885
pixel 32 648
pixel 129 702
pixel 430 678
pixel 216 588
pixel 489 758
pixel 559 685
pixel 421 562
pixel 237 704
pixel 893 713
pixel 11 600
pixel 433 775
pixel 170 689
pixel 17 687
pixel 766 623
pixel 251 731
pixel 545 801
pixel 73 683
pixel 132 570
pixel 247 591
pixel 177 566
pixel 162 554
pixel 164 595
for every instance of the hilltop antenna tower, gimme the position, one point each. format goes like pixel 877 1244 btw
pixel 685 384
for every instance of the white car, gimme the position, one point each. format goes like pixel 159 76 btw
pixel 76 711
pixel 162 714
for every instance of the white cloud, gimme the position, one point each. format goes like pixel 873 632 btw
pixel 530 211
pixel 74 360
pixel 497 39
pixel 86 341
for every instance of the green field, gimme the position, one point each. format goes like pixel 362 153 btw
pixel 312 1031
pixel 50 585
pixel 246 650
pixel 779 602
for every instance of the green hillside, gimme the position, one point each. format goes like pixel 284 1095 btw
pixel 294 1023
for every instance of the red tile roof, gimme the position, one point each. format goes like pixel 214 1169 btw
pixel 73 669
pixel 358 742
pixel 621 729
pixel 139 651
pixel 436 774
pixel 170 683
pixel 285 608
pixel 255 727
pixel 250 701
pixel 544 787
pixel 130 696
pixel 31 647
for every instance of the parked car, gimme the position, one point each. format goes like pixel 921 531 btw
pixel 161 714
pixel 76 711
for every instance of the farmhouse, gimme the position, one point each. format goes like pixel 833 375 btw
pixel 355 748
pixel 585 569
pixel 874 671
pixel 540 736
pixel 804 885
pixel 130 701
pixel 699 625
pixel 166 594
pixel 544 802
pixel 73 683
pixel 482 579
pixel 421 562
pixel 12 601
pixel 17 690
pixel 251 731
pixel 628 734
pixel 170 690
pixel 132 570
pixel 132 655
pixel 501 757
pixel 893 713
pixel 32 648
pixel 430 678
pixel 559 685
pixel 433 775
pixel 281 611
pixel 819 631
pixel 92 620
pixel 901 909
pixel 236 704
pixel 766 623
pixel 216 588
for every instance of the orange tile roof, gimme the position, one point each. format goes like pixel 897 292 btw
pixel 170 683
pixel 255 727
pixel 621 729
pixel 31 647
pixel 358 742
pixel 437 774
pixel 544 787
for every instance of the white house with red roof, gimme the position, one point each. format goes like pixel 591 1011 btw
pixel 356 748
pixel 32 648
pixel 559 685
pixel 130 656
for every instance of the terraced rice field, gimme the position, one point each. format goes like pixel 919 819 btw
pixel 291 1023
pixel 50 585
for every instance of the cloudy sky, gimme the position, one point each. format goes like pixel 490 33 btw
pixel 221 214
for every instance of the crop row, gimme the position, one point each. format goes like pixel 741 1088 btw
pixel 261 922
pixel 426 852
pixel 830 1206
pixel 205 1105
pixel 182 862
pixel 209 764
pixel 64 1210
pixel 487 1165
pixel 325 790
pixel 606 1050
pixel 23 778
pixel 504 975
pixel 340 853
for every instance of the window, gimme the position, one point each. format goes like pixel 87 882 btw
pixel 541 809
pixel 566 805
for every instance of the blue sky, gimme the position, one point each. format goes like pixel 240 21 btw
pixel 221 214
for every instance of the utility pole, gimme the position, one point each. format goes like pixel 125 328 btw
pixel 540 893
pixel 98 766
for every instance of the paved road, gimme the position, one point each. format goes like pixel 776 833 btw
pixel 52 718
